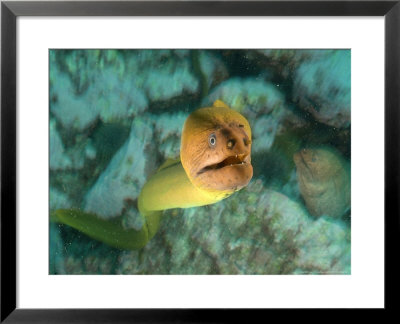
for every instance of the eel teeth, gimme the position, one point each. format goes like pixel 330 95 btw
pixel 229 161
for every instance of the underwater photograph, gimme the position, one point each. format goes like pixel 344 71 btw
pixel 200 161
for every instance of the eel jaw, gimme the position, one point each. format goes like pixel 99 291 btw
pixel 233 160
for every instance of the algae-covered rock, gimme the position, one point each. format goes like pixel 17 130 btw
pixel 58 199
pixel 59 160
pixel 255 231
pixel 264 131
pixel 115 85
pixel 212 68
pixel 322 88
pixel 152 139
pixel 76 111
pixel 118 97
pixel 166 84
pixel 56 251
pixel 248 95
pixel 124 177
pixel 285 61
pixel 168 129
pixel 331 237
pixel 163 74
pixel 108 96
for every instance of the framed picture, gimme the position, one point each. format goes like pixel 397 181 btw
pixel 202 151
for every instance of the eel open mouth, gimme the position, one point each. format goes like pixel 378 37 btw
pixel 237 159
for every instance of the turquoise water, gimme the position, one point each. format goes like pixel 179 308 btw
pixel 117 115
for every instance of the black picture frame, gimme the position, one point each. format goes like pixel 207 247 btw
pixel 10 10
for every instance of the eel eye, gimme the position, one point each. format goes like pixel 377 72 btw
pixel 212 140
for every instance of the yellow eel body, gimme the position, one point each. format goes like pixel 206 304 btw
pixel 215 161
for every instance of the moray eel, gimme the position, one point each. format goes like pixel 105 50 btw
pixel 324 181
pixel 215 161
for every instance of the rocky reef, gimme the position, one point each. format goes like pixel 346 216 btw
pixel 117 115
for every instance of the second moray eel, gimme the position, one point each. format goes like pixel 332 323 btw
pixel 215 161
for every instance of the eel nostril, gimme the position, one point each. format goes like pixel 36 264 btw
pixel 231 143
